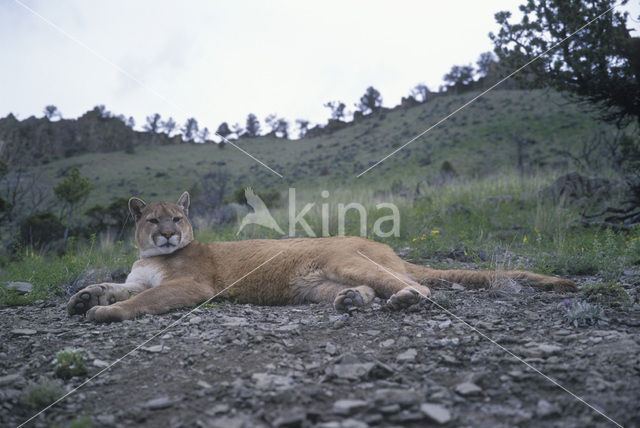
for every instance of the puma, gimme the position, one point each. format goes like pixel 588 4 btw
pixel 175 270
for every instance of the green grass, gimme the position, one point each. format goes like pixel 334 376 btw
pixel 477 141
pixel 497 222
pixel 50 273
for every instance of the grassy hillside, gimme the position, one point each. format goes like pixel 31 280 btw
pixel 477 141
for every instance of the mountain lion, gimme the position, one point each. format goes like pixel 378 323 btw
pixel 175 271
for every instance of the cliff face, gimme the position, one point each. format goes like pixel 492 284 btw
pixel 36 141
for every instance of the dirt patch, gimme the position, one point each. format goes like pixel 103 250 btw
pixel 243 365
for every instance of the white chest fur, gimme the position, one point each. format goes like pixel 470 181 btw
pixel 145 272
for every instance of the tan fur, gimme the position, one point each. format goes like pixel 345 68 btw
pixel 176 271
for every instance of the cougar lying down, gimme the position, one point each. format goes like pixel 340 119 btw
pixel 175 270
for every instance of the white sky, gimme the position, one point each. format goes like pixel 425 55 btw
pixel 220 60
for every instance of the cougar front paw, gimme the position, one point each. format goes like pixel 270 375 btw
pixel 85 299
pixel 348 298
pixel 407 297
pixel 107 314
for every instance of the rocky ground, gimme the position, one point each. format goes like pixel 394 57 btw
pixel 233 365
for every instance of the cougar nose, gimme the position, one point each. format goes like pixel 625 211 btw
pixel 167 234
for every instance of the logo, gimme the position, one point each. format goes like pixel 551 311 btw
pixel 262 217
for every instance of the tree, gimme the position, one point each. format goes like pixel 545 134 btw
pixel 51 112
pixel 599 64
pixel 337 109
pixel 271 122
pixel 102 111
pixel 190 129
pixel 420 92
pixel 282 128
pixel 153 123
pixel 485 61
pixel 252 126
pixel 459 76
pixel 131 122
pixel 72 192
pixel 223 130
pixel 371 101
pixel 237 129
pixel 169 126
pixel 204 134
pixel 303 127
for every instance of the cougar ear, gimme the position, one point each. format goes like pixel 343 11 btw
pixel 136 205
pixel 184 201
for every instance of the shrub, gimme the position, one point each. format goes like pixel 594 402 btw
pixel 41 229
pixel 70 363
pixel 607 294
pixel 42 393
pixel 582 313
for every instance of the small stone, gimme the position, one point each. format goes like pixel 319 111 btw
pixel 153 349
pixel 160 403
pixel 106 420
pixel 267 381
pixel 20 287
pixel 407 356
pixel 218 409
pixel 348 407
pixel 547 349
pixel 352 371
pixel 195 320
pixel 99 363
pixel 23 331
pixel 468 388
pixel 331 348
pixel 296 419
pixel 544 409
pixel 402 397
pixel 9 379
pixel 204 384
pixel 436 413
pixel 387 343
pixel 444 324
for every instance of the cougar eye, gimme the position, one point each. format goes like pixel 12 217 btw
pixel 177 219
pixel 153 220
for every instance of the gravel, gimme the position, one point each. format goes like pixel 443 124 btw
pixel 234 365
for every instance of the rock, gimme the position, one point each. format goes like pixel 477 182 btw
pixel 233 321
pixel 153 349
pixel 444 324
pixel 402 397
pixel 468 388
pixel 100 364
pixel 387 343
pixel 331 348
pixel 10 379
pixel 229 422
pixel 352 371
pixel 407 356
pixel 23 331
pixel 348 407
pixel 203 384
pixel 106 420
pixel 544 409
pixel 90 277
pixel 218 409
pixel 20 287
pixel 291 420
pixel 547 349
pixel 266 381
pixel 160 403
pixel 436 413
pixel 195 320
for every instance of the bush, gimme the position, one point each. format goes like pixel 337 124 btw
pixel 70 363
pixel 42 393
pixel 40 229
pixel 608 294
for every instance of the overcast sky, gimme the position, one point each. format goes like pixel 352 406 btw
pixel 219 61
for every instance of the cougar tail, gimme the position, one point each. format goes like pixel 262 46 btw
pixel 488 278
